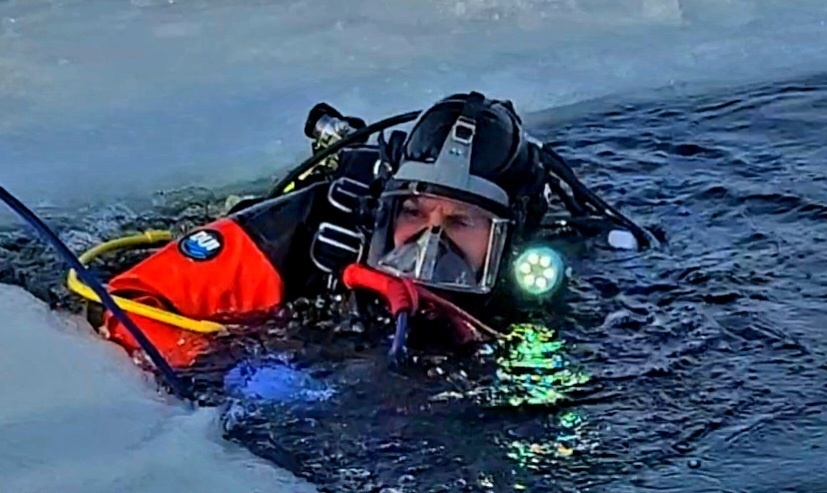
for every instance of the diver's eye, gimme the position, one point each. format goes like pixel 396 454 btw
pixel 410 211
pixel 461 222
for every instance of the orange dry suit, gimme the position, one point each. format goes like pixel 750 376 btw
pixel 250 261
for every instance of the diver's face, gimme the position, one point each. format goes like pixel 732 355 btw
pixel 468 226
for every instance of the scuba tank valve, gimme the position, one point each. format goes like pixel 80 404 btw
pixel 326 126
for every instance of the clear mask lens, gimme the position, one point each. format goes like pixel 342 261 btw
pixel 438 242
pixel 431 256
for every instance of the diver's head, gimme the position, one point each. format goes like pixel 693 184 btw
pixel 468 184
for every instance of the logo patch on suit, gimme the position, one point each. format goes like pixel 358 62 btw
pixel 201 245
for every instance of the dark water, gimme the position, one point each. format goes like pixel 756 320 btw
pixel 697 367
pixel 715 345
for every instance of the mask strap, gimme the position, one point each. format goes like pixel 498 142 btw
pixel 453 165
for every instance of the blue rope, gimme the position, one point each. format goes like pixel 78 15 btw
pixel 106 299
pixel 398 351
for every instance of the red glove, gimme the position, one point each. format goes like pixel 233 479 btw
pixel 403 295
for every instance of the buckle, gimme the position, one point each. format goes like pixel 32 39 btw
pixel 464 130
pixel 344 194
pixel 334 247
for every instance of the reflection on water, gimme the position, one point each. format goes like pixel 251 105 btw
pixel 533 370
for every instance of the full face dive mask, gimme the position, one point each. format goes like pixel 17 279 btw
pixel 460 251
pixel 431 256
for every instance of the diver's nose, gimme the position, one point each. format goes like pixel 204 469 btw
pixel 429 234
pixel 436 220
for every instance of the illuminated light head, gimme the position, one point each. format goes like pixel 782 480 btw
pixel 539 271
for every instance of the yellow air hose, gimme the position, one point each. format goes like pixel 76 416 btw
pixel 129 242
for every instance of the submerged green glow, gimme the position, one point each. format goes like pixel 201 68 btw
pixel 534 371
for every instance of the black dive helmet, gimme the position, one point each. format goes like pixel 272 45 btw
pixel 471 152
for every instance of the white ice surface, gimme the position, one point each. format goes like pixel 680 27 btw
pixel 77 417
pixel 106 99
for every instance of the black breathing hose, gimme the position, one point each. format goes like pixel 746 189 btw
pixel 557 165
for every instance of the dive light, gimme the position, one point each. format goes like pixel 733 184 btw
pixel 539 271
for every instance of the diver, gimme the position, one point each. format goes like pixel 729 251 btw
pixel 437 214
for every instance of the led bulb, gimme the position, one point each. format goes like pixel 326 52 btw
pixel 539 271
